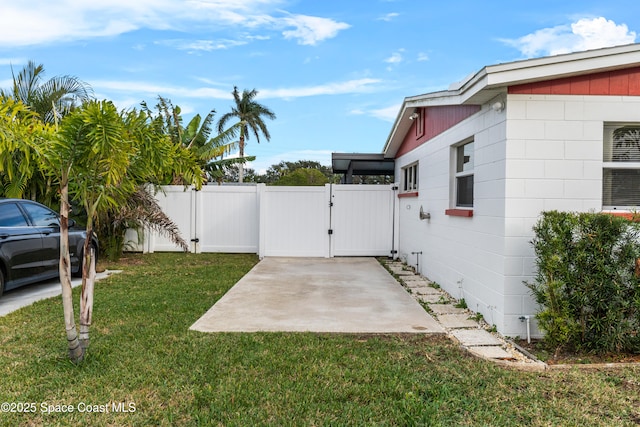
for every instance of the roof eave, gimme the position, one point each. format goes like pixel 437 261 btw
pixel 401 126
pixel 490 81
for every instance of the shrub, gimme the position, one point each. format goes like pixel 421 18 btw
pixel 586 283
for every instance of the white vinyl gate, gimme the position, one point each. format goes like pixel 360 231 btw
pixel 334 220
pixel 362 220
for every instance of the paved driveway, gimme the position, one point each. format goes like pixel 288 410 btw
pixel 27 295
pixel 349 295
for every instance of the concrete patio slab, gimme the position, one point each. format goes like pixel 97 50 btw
pixel 347 295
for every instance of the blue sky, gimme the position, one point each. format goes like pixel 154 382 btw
pixel 334 72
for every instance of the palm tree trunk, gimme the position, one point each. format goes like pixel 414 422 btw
pixel 88 282
pixel 241 165
pixel 76 352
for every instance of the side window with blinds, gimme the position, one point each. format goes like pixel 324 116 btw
pixel 410 178
pixel 464 175
pixel 621 167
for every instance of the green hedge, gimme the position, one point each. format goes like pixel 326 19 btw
pixel 586 284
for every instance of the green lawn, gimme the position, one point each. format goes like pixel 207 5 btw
pixel 144 359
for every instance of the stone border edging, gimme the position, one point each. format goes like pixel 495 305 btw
pixel 523 360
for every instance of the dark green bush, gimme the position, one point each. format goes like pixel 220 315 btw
pixel 586 284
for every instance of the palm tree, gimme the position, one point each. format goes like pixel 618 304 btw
pixel 157 158
pixel 48 101
pixel 250 114
pixel 51 99
pixel 196 137
pixel 20 133
pixel 89 155
pixel 99 156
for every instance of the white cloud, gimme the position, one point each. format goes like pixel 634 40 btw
pixel 583 34
pixel 389 17
pixel 202 45
pixel 336 88
pixel 309 30
pixel 41 22
pixel 148 89
pixel 422 57
pixel 387 114
pixel 151 90
pixel 600 32
pixel 15 62
pixel 395 58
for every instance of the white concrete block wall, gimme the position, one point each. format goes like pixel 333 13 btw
pixel 543 152
pixel 463 255
pixel 554 161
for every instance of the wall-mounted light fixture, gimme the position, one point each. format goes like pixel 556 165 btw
pixel 497 106
pixel 424 215
pixel 414 116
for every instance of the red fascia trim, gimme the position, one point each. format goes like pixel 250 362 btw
pixel 467 213
pixel 412 194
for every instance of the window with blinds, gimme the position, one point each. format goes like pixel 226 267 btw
pixel 621 167
pixel 464 175
pixel 410 178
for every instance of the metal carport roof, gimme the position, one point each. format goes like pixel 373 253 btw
pixel 351 164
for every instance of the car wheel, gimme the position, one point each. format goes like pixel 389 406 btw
pixel 1 283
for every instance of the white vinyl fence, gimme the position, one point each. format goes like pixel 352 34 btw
pixel 334 220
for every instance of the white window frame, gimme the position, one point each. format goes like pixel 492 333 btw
pixel 608 163
pixel 460 171
pixel 409 175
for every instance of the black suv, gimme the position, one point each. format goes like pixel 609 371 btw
pixel 30 243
